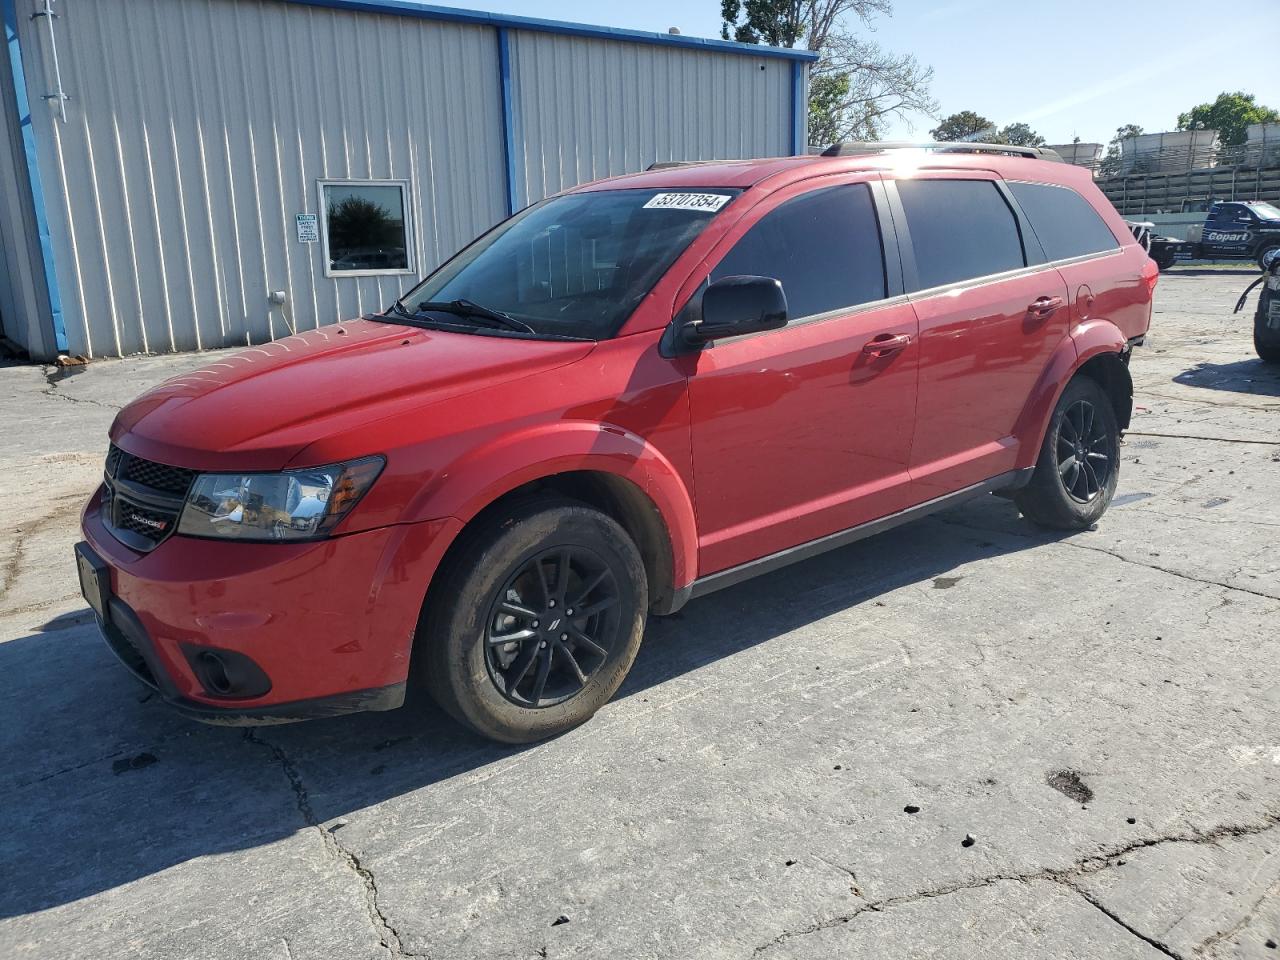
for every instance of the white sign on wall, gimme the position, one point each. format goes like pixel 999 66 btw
pixel 308 228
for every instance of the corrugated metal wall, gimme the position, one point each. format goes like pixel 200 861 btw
pixel 24 301
pixel 587 109
pixel 197 129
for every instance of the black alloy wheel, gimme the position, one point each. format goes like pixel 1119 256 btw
pixel 1078 467
pixel 1085 452
pixel 552 626
pixel 534 619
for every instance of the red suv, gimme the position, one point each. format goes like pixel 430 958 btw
pixel 623 397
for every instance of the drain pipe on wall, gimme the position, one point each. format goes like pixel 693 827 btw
pixel 58 94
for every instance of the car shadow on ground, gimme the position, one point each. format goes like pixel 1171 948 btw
pixel 104 785
pixel 1240 376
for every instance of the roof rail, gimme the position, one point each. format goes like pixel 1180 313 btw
pixel 860 148
pixel 668 164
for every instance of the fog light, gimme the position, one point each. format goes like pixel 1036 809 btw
pixel 226 674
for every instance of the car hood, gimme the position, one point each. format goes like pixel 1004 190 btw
pixel 257 409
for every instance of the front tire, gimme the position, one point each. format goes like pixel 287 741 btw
pixel 535 621
pixel 1262 254
pixel 1079 463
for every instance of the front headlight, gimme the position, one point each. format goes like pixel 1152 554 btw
pixel 293 505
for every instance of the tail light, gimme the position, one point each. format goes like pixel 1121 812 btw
pixel 1150 276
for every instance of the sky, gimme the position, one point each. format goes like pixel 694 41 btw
pixel 1068 69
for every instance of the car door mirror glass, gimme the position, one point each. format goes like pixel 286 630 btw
pixel 733 306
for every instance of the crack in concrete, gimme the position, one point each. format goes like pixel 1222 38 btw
pixel 12 566
pixel 388 936
pixel 1187 436
pixel 1110 553
pixel 1214 939
pixel 1115 918
pixel 1064 876
pixel 52 379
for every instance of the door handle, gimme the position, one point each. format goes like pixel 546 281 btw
pixel 886 344
pixel 1043 306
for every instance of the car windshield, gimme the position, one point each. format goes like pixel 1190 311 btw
pixel 1265 211
pixel 575 265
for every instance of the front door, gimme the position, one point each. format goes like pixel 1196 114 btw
pixel 805 431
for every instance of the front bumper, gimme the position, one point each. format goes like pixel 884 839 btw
pixel 325 627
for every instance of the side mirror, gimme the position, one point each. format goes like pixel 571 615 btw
pixel 733 306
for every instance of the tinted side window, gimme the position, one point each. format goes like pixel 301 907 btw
pixel 1063 220
pixel 824 246
pixel 960 229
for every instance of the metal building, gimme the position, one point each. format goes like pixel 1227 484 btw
pixel 187 174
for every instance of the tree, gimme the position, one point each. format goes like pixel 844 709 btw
pixel 965 125
pixel 1019 135
pixel 356 223
pixel 1230 114
pixel 856 85
pixel 826 94
pixel 1110 165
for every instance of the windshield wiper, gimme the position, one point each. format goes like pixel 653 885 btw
pixel 469 308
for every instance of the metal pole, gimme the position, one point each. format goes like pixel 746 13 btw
pixel 57 94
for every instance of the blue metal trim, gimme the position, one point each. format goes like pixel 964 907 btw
pixel 508 116
pixel 410 8
pixel 799 110
pixel 33 173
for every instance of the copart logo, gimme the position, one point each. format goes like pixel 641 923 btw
pixel 1217 237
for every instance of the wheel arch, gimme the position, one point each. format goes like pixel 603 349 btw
pixel 1111 371
pixel 608 468
pixel 1096 349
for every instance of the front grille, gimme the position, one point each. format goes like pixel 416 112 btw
pixel 157 476
pixel 151 524
pixel 142 499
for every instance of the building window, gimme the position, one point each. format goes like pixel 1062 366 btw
pixel 366 227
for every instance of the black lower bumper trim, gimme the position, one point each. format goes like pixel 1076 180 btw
pixel 356 701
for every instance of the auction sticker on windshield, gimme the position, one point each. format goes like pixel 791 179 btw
pixel 709 202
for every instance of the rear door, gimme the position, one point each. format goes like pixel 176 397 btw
pixel 805 431
pixel 991 312
pixel 1103 279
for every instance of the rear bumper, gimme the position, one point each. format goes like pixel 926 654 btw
pixel 317 628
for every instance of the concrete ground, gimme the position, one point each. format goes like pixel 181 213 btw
pixel 791 770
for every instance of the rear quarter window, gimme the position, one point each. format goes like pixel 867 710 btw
pixel 960 230
pixel 1065 222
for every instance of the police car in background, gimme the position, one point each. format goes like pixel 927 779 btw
pixel 1234 230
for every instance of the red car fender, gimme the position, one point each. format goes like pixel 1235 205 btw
pixel 482 475
pixel 1086 341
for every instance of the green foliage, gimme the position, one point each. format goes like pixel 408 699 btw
pixel 1110 165
pixel 777 23
pixel 357 223
pixel 965 126
pixel 1019 135
pixel 827 94
pixel 1230 114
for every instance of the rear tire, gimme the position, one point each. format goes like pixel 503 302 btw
pixel 1079 463
pixel 520 574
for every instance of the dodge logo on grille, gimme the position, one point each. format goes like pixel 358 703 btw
pixel 149 522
